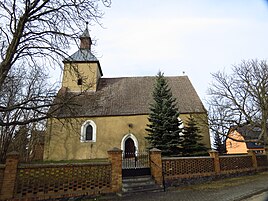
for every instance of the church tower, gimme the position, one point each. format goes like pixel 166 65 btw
pixel 82 70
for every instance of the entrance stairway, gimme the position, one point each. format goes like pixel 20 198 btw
pixel 139 184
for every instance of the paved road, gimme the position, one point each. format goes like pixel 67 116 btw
pixel 259 197
pixel 249 188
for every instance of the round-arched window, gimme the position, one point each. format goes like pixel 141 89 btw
pixel 88 131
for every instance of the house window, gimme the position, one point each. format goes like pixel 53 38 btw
pixel 88 131
pixel 230 145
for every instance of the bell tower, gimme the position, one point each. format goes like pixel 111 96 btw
pixel 82 69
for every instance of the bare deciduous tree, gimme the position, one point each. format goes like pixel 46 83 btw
pixel 34 36
pixel 24 100
pixel 27 100
pixel 37 33
pixel 240 98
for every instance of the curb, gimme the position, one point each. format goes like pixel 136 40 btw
pixel 251 194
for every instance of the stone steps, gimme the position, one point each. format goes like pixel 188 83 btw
pixel 139 184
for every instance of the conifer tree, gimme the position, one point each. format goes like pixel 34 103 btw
pixel 192 144
pixel 164 127
pixel 219 144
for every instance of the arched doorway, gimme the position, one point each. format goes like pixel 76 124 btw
pixel 129 145
pixel 129 148
pixel 134 162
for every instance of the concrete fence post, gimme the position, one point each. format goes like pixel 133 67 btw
pixel 115 157
pixel 10 173
pixel 253 158
pixel 215 155
pixel 156 165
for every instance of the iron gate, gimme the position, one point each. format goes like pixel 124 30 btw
pixel 135 164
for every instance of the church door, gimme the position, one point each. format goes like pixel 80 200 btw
pixel 134 162
pixel 129 148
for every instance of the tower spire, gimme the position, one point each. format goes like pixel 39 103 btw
pixel 85 40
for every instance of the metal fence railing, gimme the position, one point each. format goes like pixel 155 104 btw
pixel 135 160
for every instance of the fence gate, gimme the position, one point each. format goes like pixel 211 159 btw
pixel 135 164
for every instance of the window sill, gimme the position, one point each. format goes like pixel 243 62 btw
pixel 85 141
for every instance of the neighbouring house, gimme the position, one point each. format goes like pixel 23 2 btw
pixel 103 113
pixel 242 133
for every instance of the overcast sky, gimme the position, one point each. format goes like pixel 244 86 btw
pixel 197 37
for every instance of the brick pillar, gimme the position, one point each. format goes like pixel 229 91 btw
pixel 10 174
pixel 156 165
pixel 215 155
pixel 265 151
pixel 253 158
pixel 115 157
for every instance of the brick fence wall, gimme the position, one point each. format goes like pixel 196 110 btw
pixel 179 171
pixel 235 163
pixel 187 167
pixel 47 181
pixel 262 161
pixel 58 180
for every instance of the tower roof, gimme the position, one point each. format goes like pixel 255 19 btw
pixel 85 34
pixel 84 54
pixel 85 40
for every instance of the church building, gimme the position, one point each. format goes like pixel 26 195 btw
pixel 102 113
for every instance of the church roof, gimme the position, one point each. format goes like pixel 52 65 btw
pixel 129 96
pixel 84 53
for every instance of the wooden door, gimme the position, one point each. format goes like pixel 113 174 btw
pixel 129 148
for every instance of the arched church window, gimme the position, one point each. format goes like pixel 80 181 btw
pixel 88 131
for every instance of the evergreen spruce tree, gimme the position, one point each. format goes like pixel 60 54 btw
pixel 163 129
pixel 192 144
pixel 219 144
